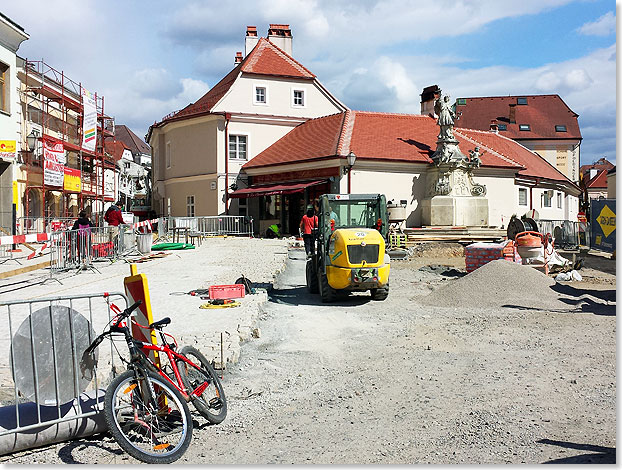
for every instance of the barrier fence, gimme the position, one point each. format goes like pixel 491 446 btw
pixel 79 248
pixel 565 232
pixel 214 225
pixel 45 380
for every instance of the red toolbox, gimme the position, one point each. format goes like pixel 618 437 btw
pixel 233 291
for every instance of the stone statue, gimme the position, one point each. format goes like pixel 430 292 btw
pixel 475 160
pixel 445 117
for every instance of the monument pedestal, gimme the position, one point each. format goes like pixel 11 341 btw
pixel 455 210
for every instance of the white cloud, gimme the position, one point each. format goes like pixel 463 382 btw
pixel 603 26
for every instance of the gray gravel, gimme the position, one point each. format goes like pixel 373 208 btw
pixel 399 382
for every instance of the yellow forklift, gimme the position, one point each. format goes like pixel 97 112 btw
pixel 349 247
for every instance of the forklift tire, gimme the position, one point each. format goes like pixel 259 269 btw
pixel 326 291
pixel 312 284
pixel 380 293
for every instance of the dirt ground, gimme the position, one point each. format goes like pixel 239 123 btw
pixel 359 382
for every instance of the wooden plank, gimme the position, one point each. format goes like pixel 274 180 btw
pixel 25 269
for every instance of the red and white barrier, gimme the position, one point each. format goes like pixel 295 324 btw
pixel 38 251
pixel 30 238
pixel 144 223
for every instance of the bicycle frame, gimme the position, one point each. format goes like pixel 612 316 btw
pixel 173 357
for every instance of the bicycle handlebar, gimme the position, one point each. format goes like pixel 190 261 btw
pixel 114 328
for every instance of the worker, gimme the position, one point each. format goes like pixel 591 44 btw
pixel 114 217
pixel 307 225
pixel 332 215
pixel 274 231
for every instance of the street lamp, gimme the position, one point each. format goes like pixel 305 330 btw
pixel 351 158
pixel 31 140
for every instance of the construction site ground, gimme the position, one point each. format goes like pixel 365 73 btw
pixel 397 381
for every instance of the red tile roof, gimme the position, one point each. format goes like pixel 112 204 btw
pixel 268 59
pixel 264 59
pixel 542 113
pixel 395 137
pixel 116 148
pixel 599 181
pixel 600 164
pixel 132 141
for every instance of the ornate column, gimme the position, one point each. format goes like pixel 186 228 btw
pixel 452 197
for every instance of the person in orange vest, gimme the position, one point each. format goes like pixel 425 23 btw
pixel 307 225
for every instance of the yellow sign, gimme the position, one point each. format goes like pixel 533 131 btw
pixel 607 220
pixel 15 195
pixel 8 148
pixel 72 181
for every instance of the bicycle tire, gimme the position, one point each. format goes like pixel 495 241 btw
pixel 142 433
pixel 212 403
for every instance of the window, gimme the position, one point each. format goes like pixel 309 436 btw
pixel 461 101
pixel 168 155
pixel 261 96
pixel 298 98
pixel 502 127
pixel 522 196
pixel 546 198
pixel 559 200
pixel 521 100
pixel 4 88
pixel 168 206
pixel 190 206
pixel 560 128
pixel 524 127
pixel 237 147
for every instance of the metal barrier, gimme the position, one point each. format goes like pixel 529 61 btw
pixel 564 232
pixel 79 248
pixel 45 380
pixel 27 225
pixel 214 225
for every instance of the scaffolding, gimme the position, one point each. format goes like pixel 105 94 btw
pixel 52 111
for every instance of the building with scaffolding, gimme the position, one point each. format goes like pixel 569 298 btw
pixel 63 163
pixel 11 37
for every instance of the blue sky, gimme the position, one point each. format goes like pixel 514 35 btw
pixel 149 58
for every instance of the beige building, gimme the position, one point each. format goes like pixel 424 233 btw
pixel 542 123
pixel 199 150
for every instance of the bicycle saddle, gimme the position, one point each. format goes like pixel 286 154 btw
pixel 160 323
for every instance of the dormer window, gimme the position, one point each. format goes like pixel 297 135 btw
pixel 521 100
pixel 524 127
pixel 461 101
pixel 502 127
pixel 261 95
pixel 560 128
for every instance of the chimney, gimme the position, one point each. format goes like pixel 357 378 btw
pixel 251 39
pixel 493 126
pixel 238 58
pixel 513 113
pixel 281 36
pixel 429 94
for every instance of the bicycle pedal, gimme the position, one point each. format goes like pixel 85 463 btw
pixel 215 403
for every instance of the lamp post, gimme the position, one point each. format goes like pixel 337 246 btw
pixel 351 158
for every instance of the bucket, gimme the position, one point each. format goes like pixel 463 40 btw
pixel 143 242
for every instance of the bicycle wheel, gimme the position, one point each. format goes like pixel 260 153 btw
pixel 147 417
pixel 209 400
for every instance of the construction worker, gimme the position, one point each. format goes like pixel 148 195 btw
pixel 274 231
pixel 307 225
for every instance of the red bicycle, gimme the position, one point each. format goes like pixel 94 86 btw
pixel 187 370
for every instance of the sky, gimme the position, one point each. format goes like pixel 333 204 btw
pixel 150 58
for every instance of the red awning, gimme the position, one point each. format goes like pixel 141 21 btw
pixel 271 189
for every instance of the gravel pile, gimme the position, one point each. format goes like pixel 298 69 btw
pixel 499 283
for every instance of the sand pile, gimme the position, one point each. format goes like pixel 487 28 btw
pixel 499 283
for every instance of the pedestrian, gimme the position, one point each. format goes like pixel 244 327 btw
pixel 82 222
pixel 307 225
pixel 83 226
pixel 114 217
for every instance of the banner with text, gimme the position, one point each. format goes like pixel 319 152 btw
pixel 54 163
pixel 89 121
pixel 73 181
pixel 7 149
